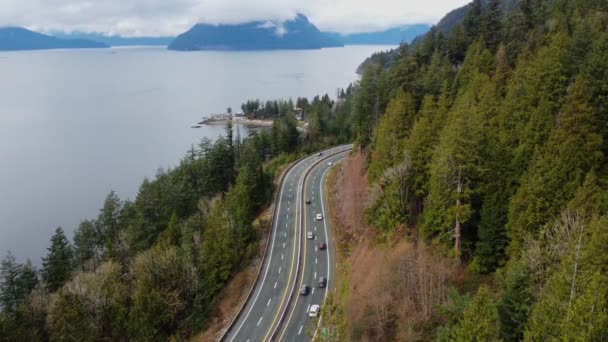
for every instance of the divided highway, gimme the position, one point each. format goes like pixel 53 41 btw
pixel 316 262
pixel 291 258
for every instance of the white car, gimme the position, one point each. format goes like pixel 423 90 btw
pixel 314 310
pixel 319 217
pixel 320 154
pixel 330 164
pixel 311 235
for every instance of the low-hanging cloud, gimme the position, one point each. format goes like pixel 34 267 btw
pixel 171 17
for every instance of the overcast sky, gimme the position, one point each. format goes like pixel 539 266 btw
pixel 171 17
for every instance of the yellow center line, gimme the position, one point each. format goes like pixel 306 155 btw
pixel 293 258
pixel 293 308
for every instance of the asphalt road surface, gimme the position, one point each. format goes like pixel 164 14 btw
pixel 290 257
pixel 316 263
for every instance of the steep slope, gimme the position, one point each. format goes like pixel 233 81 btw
pixel 490 144
pixel 298 33
pixel 456 16
pixel 444 26
pixel 17 38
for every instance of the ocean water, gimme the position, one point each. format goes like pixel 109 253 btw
pixel 76 124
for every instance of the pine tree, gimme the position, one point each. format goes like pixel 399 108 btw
pixel 86 245
pixel 492 25
pixel 516 301
pixel 10 289
pixel 28 279
pixel 107 222
pixel 573 149
pixel 390 134
pixel 57 265
pixel 480 320
pixel 366 105
pixel 473 21
pixel 172 235
pixel 455 168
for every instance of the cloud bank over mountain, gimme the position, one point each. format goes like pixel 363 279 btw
pixel 171 17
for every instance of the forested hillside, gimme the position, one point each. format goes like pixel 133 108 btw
pixel 491 142
pixel 152 268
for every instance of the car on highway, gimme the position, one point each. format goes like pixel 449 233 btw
pixel 304 290
pixel 320 154
pixel 319 217
pixel 322 282
pixel 314 310
pixel 311 235
pixel 322 246
pixel 330 164
pixel 308 201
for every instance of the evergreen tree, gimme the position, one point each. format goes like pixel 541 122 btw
pixel 10 289
pixel 473 21
pixel 516 301
pixel 391 132
pixel 492 25
pixel 28 279
pixel 107 222
pixel 172 235
pixel 57 265
pixel 454 170
pixel 573 149
pixel 86 245
pixel 366 106
pixel 573 304
pixel 480 319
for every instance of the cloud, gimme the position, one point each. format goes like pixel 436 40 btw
pixel 171 17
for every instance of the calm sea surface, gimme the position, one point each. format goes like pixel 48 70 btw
pixel 75 124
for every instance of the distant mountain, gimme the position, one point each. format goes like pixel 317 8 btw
pixel 393 36
pixel 18 38
pixel 118 40
pixel 298 33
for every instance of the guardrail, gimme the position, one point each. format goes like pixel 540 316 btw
pixel 264 255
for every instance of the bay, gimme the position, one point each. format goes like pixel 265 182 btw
pixel 76 124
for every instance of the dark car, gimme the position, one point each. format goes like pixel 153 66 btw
pixel 308 201
pixel 322 246
pixel 304 290
pixel 322 282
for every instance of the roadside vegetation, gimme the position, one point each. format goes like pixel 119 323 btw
pixel 484 149
pixel 151 269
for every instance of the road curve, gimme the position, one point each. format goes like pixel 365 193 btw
pixel 316 263
pixel 268 300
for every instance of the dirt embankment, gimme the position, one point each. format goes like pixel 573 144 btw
pixel 386 292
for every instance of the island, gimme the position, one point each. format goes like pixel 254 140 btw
pixel 18 38
pixel 295 34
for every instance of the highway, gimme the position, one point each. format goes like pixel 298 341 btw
pixel 316 263
pixel 268 306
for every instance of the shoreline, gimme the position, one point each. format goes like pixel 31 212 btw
pixel 242 121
